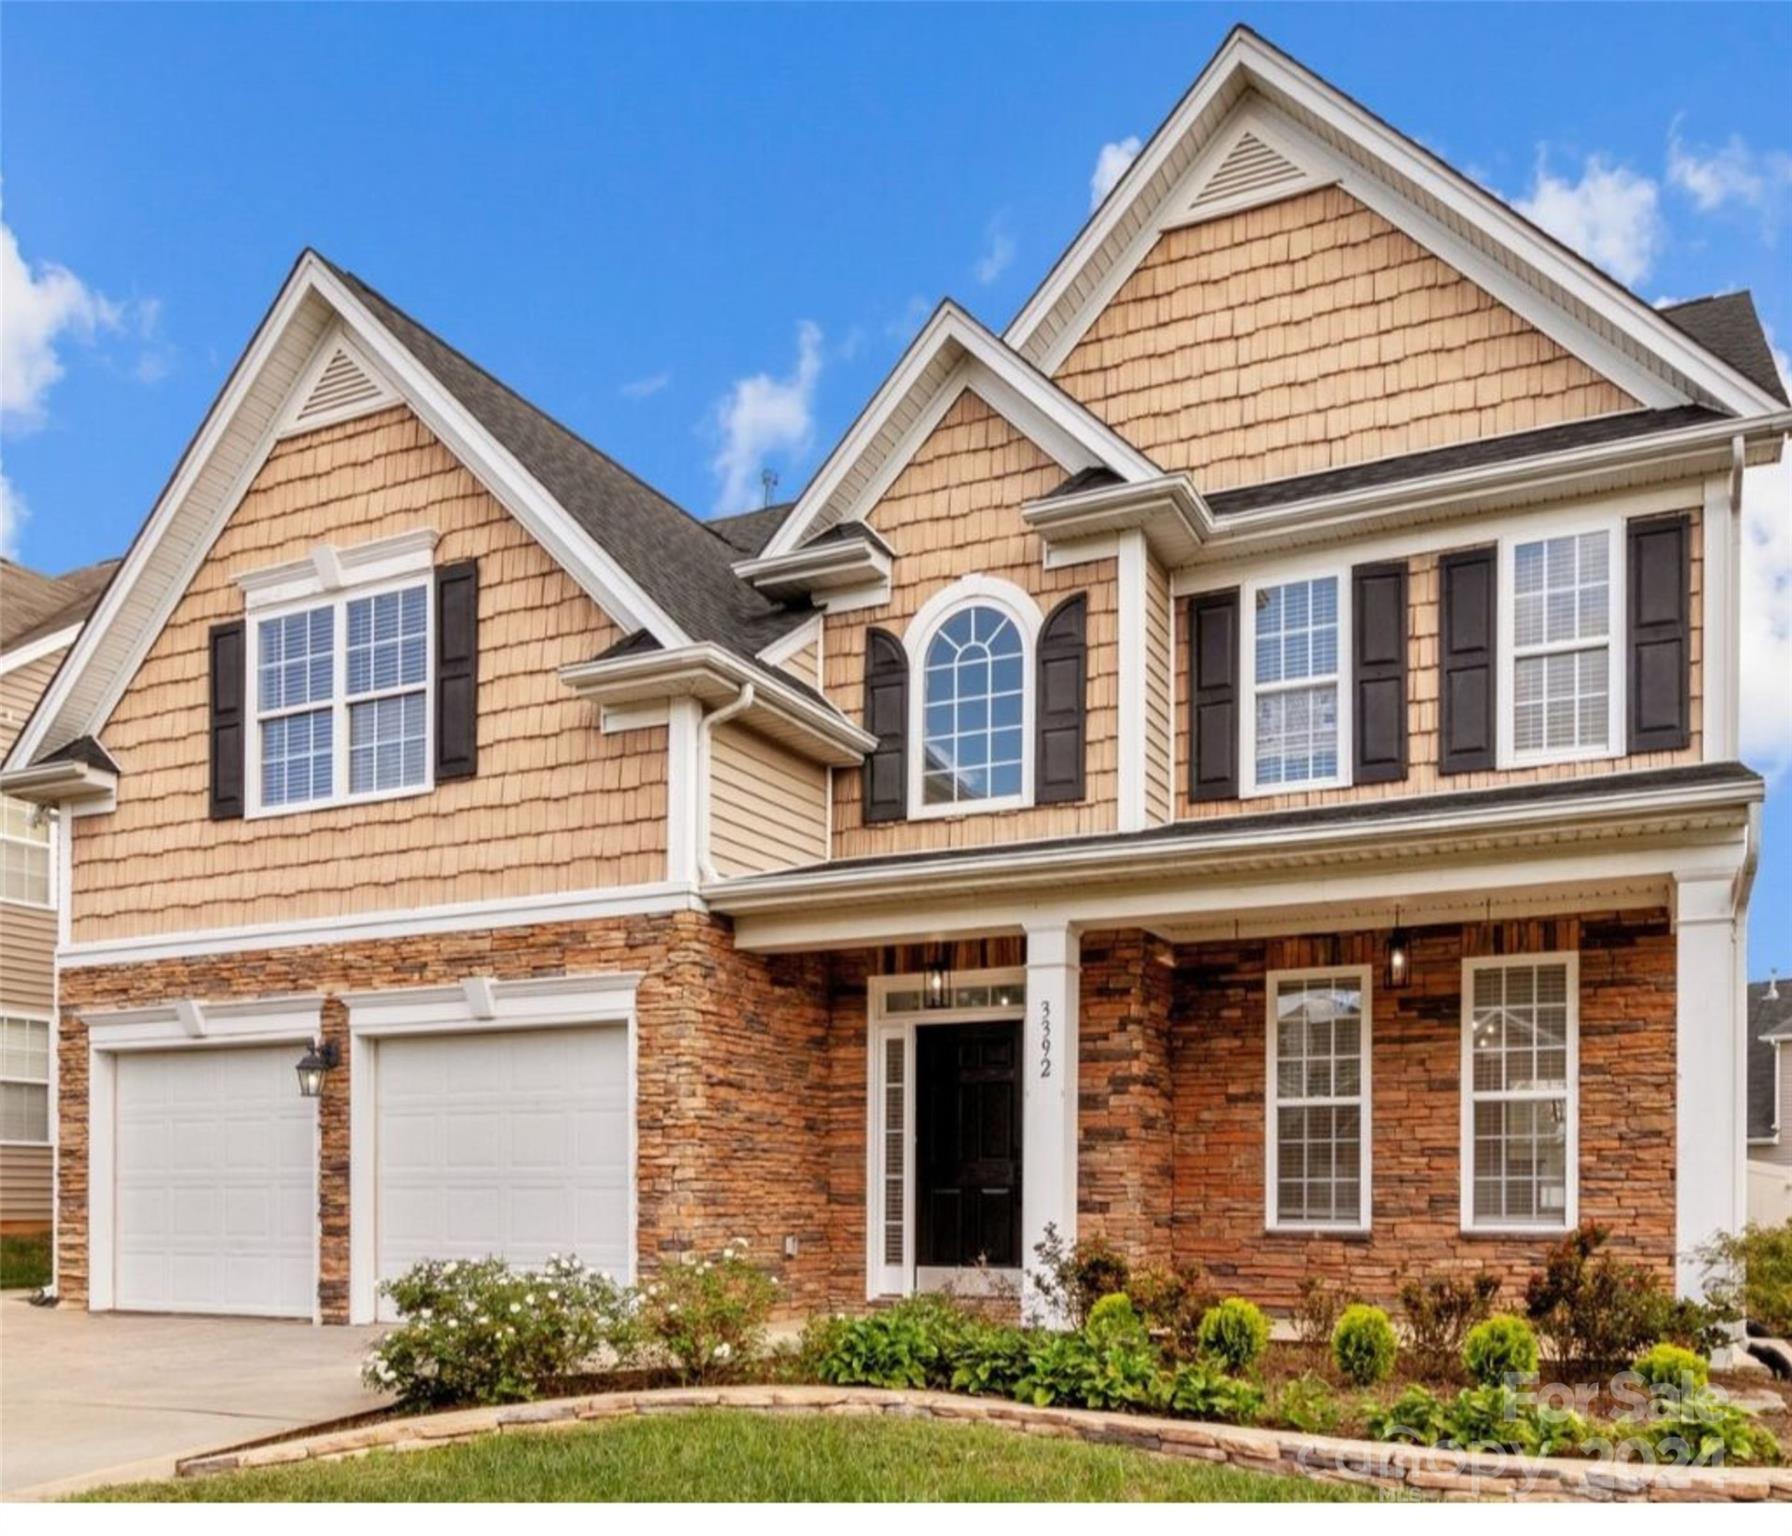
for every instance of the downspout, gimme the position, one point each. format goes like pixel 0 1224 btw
pixel 1733 594
pixel 743 701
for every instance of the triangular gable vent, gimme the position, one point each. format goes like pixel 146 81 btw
pixel 343 387
pixel 1250 173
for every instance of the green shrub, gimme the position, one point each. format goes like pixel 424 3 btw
pixel 1751 1276
pixel 1668 1365
pixel 1172 1302
pixel 1073 1370
pixel 1363 1346
pixel 1501 1419
pixel 708 1315
pixel 916 1343
pixel 1072 1277
pixel 1438 1312
pixel 1698 1427
pixel 1114 1320
pixel 1700 1326
pixel 1308 1405
pixel 1503 1346
pixel 1235 1333
pixel 991 1359
pixel 1595 1310
pixel 1201 1392
pixel 476 1331
pixel 1416 1417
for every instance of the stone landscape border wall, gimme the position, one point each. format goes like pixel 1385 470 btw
pixel 1412 1471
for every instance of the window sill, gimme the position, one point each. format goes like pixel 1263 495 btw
pixel 1345 1233
pixel 41 1145
pixel 340 802
pixel 1516 760
pixel 1506 1233
pixel 970 807
pixel 1305 786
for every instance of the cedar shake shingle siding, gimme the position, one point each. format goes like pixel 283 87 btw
pixel 556 804
pixel 1309 334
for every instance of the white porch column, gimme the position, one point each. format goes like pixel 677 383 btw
pixel 1048 1099
pixel 1710 1176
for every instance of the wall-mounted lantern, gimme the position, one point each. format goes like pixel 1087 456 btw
pixel 1399 967
pixel 319 1058
pixel 936 981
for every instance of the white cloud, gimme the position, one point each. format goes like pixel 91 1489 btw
pixel 1732 173
pixel 1110 166
pixel 13 513
pixel 998 251
pixel 762 416
pixel 1611 215
pixel 1767 617
pixel 640 389
pixel 40 308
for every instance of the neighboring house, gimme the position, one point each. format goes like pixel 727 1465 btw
pixel 1243 761
pixel 39 619
pixel 1769 1101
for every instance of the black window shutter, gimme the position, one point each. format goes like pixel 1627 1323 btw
pixel 1466 683
pixel 457 670
pixel 1378 672
pixel 1058 758
pixel 1660 602
pixel 229 678
pixel 886 718
pixel 1213 679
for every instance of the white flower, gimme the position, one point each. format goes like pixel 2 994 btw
pixel 687 1257
pixel 516 1306
pixel 553 1295
pixel 454 1322
pixel 671 1307
pixel 654 1289
pixel 425 1314
pixel 727 1255
pixel 722 1351
pixel 482 1319
pixel 452 1267
pixel 703 1268
pixel 528 1300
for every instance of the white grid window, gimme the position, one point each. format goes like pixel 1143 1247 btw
pixel 24 1080
pixel 973 701
pixel 24 853
pixel 1519 1066
pixel 1295 670
pixel 1561 644
pixel 342 699
pixel 1318 1100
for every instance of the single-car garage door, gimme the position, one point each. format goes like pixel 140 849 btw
pixel 512 1144
pixel 216 1172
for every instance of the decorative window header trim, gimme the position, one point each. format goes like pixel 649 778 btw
pixel 188 1021
pixel 484 1003
pixel 331 568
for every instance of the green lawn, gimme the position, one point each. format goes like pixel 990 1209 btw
pixel 24 1260
pixel 734 1457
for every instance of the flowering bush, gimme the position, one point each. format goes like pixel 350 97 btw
pixel 476 1331
pixel 708 1315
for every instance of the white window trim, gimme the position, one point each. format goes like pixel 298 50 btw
pixel 1466 1144
pixel 1249 788
pixel 1568 522
pixel 1364 976
pixel 883 1025
pixel 47 1082
pixel 337 600
pixel 970 592
pixel 48 845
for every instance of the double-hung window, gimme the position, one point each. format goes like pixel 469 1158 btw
pixel 341 693
pixel 1317 1171
pixel 1297 714
pixel 24 854
pixel 24 1079
pixel 1564 597
pixel 1519 1068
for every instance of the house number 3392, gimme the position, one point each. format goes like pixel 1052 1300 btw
pixel 1045 1039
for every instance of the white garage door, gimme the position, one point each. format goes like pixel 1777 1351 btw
pixel 216 1160
pixel 512 1144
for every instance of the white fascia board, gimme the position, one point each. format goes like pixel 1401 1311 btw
pixel 1020 387
pixel 1203 849
pixel 44 645
pixel 830 567
pixel 495 468
pixel 716 677
pixel 1244 59
pixel 801 638
pixel 1169 510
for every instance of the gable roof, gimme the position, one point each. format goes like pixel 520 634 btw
pixel 1332 137
pixel 1769 1019
pixel 1727 325
pixel 36 606
pixel 953 352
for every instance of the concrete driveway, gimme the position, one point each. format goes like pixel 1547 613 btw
pixel 84 1394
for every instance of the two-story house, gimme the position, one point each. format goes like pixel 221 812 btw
pixel 1243 760
pixel 40 615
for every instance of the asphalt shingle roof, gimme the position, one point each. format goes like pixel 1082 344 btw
pixel 33 605
pixel 1726 324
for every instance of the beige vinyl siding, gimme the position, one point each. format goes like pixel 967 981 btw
pixel 1422 712
pixel 1159 797
pixel 19 691
pixel 556 806
pixel 804 665
pixel 27 957
pixel 952 511
pixel 26 1182
pixel 768 809
pixel 1312 333
pixel 1780 1153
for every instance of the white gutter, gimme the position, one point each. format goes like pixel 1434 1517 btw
pixel 1731 703
pixel 58 782
pixel 1141 857
pixel 743 701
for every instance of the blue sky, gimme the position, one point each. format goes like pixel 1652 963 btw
pixel 700 236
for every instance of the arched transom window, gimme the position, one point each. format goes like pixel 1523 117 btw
pixel 973 701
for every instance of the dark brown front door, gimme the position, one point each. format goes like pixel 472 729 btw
pixel 968 1143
